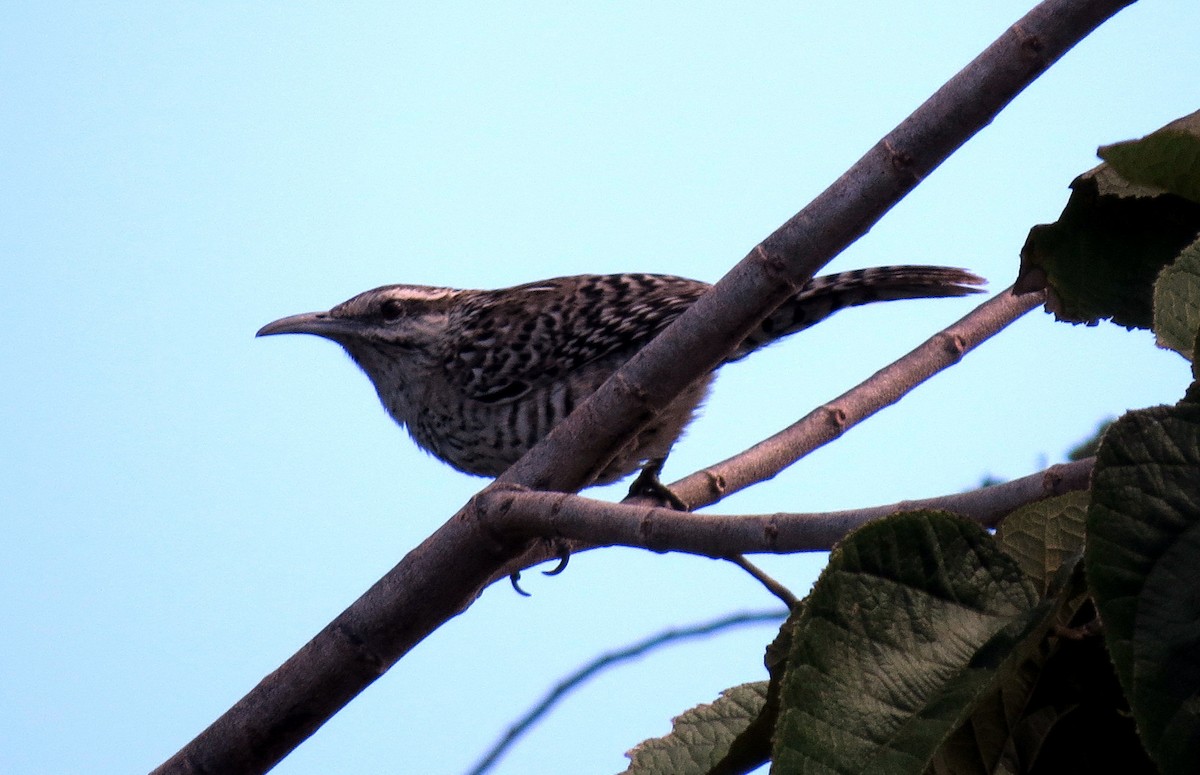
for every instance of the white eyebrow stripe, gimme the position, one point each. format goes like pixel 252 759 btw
pixel 420 293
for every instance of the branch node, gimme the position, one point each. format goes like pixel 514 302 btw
pixel 646 530
pixel 716 483
pixel 631 389
pixel 487 511
pixel 771 532
pixel 1057 479
pixel 1031 44
pixel 835 417
pixel 954 343
pixel 901 161
pixel 362 654
pixel 776 267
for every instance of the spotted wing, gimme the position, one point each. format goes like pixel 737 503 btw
pixel 537 334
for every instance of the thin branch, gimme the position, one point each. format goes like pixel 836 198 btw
pixel 444 575
pixel 601 523
pixel 612 659
pixel 826 423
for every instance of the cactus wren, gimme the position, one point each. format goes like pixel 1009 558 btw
pixel 478 377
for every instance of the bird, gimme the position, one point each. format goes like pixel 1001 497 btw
pixel 478 377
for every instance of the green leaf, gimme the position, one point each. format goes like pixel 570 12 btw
pixel 1042 535
pixel 1006 727
pixel 1100 259
pixel 1168 159
pixel 1177 303
pixel 901 633
pixel 1142 559
pixel 701 736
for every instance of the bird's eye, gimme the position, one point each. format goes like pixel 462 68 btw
pixel 391 310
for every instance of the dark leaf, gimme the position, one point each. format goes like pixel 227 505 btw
pixel 1143 565
pixel 903 631
pixel 1124 222
pixel 1005 729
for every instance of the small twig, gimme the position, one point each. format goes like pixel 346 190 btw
pixel 610 659
pixel 773 586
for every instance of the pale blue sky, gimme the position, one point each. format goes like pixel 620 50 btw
pixel 183 505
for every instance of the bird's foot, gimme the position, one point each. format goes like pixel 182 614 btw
pixel 648 485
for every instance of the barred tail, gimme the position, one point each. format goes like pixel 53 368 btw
pixel 827 294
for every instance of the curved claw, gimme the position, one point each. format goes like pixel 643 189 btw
pixel 515 580
pixel 564 556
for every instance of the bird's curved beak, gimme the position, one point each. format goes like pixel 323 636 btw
pixel 316 323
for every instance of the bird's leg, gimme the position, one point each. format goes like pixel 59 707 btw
pixel 649 485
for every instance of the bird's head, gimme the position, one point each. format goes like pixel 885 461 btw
pixel 387 331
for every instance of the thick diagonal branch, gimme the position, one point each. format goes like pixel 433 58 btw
pixel 443 575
